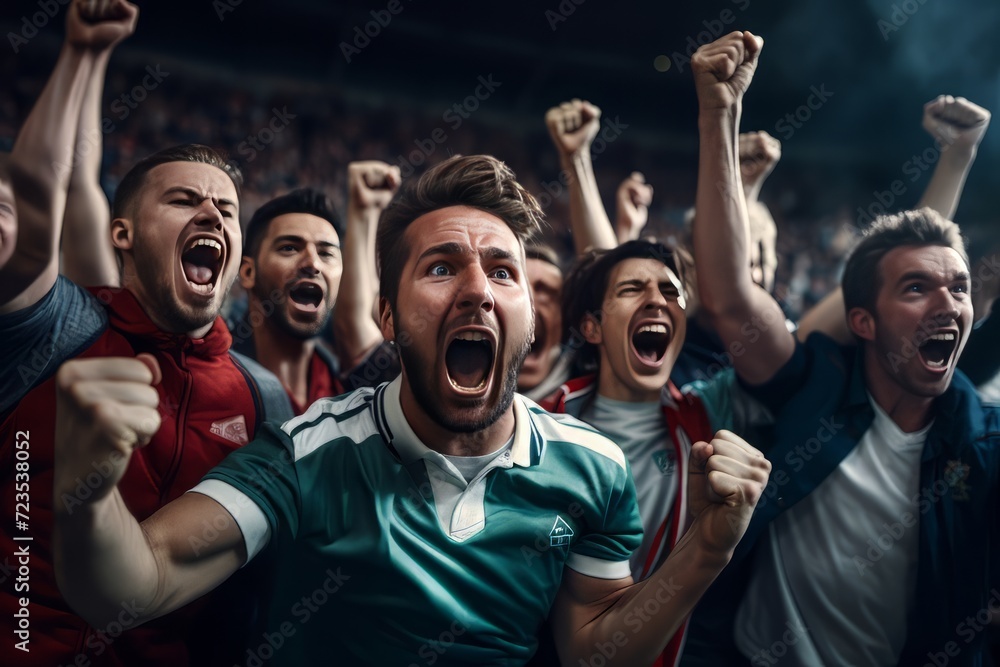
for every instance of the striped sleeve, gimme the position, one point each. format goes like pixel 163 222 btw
pixel 264 472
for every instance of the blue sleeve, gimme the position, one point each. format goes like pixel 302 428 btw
pixel 36 340
pixel 777 391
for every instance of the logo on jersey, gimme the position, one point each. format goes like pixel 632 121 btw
pixel 561 534
pixel 955 474
pixel 665 460
pixel 233 429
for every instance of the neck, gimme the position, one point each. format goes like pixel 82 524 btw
pixel 610 386
pixel 135 288
pixel 436 437
pixel 909 411
pixel 287 357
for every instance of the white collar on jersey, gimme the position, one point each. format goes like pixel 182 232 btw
pixel 410 448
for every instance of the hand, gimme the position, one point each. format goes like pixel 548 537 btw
pixel 633 199
pixel 573 126
pixel 725 480
pixel 956 122
pixel 724 68
pixel 105 408
pixel 371 185
pixel 759 153
pixel 98 25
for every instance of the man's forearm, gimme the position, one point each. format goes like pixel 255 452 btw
pixel 354 331
pixel 944 190
pixel 648 614
pixel 589 220
pixel 721 230
pixel 88 258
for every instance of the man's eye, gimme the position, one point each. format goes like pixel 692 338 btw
pixel 502 274
pixel 960 288
pixel 439 270
pixel 287 248
pixel 915 288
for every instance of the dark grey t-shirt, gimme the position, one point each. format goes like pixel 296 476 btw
pixel 34 341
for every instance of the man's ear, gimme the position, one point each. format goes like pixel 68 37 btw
pixel 248 270
pixel 591 330
pixel 385 319
pixel 861 323
pixel 122 233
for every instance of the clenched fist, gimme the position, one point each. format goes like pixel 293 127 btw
pixel 105 408
pixel 726 479
pixel 573 126
pixel 759 153
pixel 371 184
pixel 98 25
pixel 956 122
pixel 633 199
pixel 724 68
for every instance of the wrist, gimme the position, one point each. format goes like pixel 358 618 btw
pixel 365 214
pixel 958 155
pixel 576 160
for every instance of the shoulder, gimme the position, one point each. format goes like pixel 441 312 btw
pixel 341 421
pixel 567 436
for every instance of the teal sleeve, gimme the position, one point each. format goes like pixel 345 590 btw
pixel 265 471
pixel 616 528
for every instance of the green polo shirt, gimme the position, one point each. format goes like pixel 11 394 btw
pixel 385 555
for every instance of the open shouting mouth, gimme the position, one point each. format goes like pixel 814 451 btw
pixel 202 263
pixel 649 342
pixel 307 295
pixel 469 358
pixel 938 350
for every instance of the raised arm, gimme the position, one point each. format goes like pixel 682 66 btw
pixel 727 477
pixel 104 409
pixel 87 255
pixel 759 154
pixel 957 126
pixel 42 159
pixel 370 187
pixel 744 315
pixel 632 213
pixel 573 126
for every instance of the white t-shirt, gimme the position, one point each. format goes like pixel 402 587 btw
pixel 641 431
pixel 836 574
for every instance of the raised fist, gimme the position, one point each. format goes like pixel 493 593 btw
pixel 726 479
pixel 573 126
pixel 633 199
pixel 955 121
pixel 371 184
pixel 98 25
pixel 724 68
pixel 759 153
pixel 105 408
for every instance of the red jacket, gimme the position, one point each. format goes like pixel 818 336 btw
pixel 207 411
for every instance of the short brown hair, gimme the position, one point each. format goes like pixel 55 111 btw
pixel 924 227
pixel 477 181
pixel 131 184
